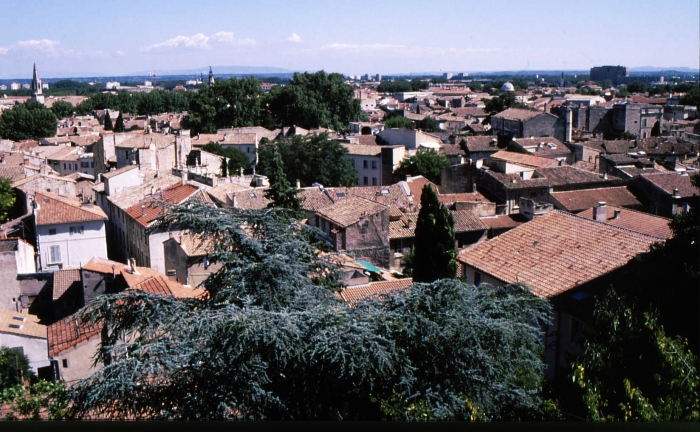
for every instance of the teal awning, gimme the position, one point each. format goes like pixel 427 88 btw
pixel 369 266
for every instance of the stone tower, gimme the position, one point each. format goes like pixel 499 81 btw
pixel 211 76
pixel 37 94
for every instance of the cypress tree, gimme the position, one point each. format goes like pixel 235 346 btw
pixel 280 192
pixel 434 251
pixel 108 122
pixel 224 168
pixel 119 125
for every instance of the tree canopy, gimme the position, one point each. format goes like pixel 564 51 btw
pixel 398 122
pixel 236 159
pixel 434 251
pixel 403 86
pixel 108 122
pixel 501 103
pixel 62 109
pixel 30 120
pixel 271 342
pixel 313 100
pixel 14 367
pixel 311 160
pixel 427 163
pixel 119 125
pixel 7 198
pixel 280 192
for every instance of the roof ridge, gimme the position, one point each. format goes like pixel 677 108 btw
pixel 608 225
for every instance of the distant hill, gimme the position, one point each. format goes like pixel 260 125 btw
pixel 664 69
pixel 220 70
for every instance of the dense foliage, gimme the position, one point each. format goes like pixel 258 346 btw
pixel 62 109
pixel 427 163
pixel 14 367
pixel 398 122
pixel 271 342
pixel 280 193
pixel 434 254
pixel 41 400
pixel 227 103
pixel 30 120
pixel 155 102
pixel 108 126
pixel 313 100
pixel 501 103
pixel 7 198
pixel 403 86
pixel 311 160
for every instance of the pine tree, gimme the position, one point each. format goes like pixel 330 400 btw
pixel 119 125
pixel 434 251
pixel 280 192
pixel 108 122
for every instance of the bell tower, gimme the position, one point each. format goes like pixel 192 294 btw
pixel 37 94
pixel 211 76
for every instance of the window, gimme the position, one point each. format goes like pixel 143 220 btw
pixel 248 149
pixel 374 181
pixel 76 167
pixel 85 164
pixel 365 181
pixel 55 254
pixel 64 166
pixel 52 231
pixel 92 164
pixel 364 164
pixel 65 363
pixel 374 164
pixel 576 331
pixel 77 230
pixel 477 278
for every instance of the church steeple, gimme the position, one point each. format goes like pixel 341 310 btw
pixel 211 76
pixel 37 94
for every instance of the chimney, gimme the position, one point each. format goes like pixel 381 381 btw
pixel 675 193
pixel 143 210
pixel 569 124
pixel 183 177
pixel 473 187
pixel 600 212
pixel 408 177
pixel 298 184
pixel 617 214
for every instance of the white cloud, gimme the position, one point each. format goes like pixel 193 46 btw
pixel 199 41
pixel 43 45
pixel 223 37
pixel 120 53
pixel 4 50
pixel 294 38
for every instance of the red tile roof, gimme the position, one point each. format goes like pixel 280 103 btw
pixel 642 223
pixel 374 289
pixel 519 114
pixel 576 201
pixel 58 210
pixel 349 210
pixel 523 159
pixel 159 285
pixel 672 180
pixel 556 252
pixel 151 208
pixel 63 280
pixel 69 332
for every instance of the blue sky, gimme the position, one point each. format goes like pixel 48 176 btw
pixel 352 37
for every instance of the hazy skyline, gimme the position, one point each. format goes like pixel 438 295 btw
pixel 92 37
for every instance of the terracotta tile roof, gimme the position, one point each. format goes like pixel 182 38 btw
pixel 404 227
pixel 59 210
pixel 348 211
pixel 239 138
pixel 144 141
pixel 66 154
pixel 586 166
pixel 469 112
pixel 151 208
pixel 161 286
pixel 556 252
pixel 522 159
pixel 250 199
pixel 546 177
pixel 195 245
pixel 64 280
pixel 367 140
pixel 221 192
pixel 481 143
pixel 13 173
pixel 466 221
pixel 452 150
pixel 576 201
pixel 21 324
pixel 375 289
pixel 503 221
pixel 204 139
pixel 667 181
pixel 103 265
pixel 519 114
pixel 363 150
pixel 69 332
pixel 642 223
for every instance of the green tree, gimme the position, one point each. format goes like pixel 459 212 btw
pixel 43 399
pixel 395 86
pixel 398 122
pixel 108 122
pixel 631 370
pixel 224 167
pixel 280 192
pixel 434 254
pixel 119 125
pixel 7 198
pixel 427 163
pixel 429 124
pixel 14 367
pixel 272 341
pixel 31 120
pixel 637 87
pixel 475 86
pixel 692 97
pixel 315 100
pixel 501 103
pixel 62 109
pixel 311 160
